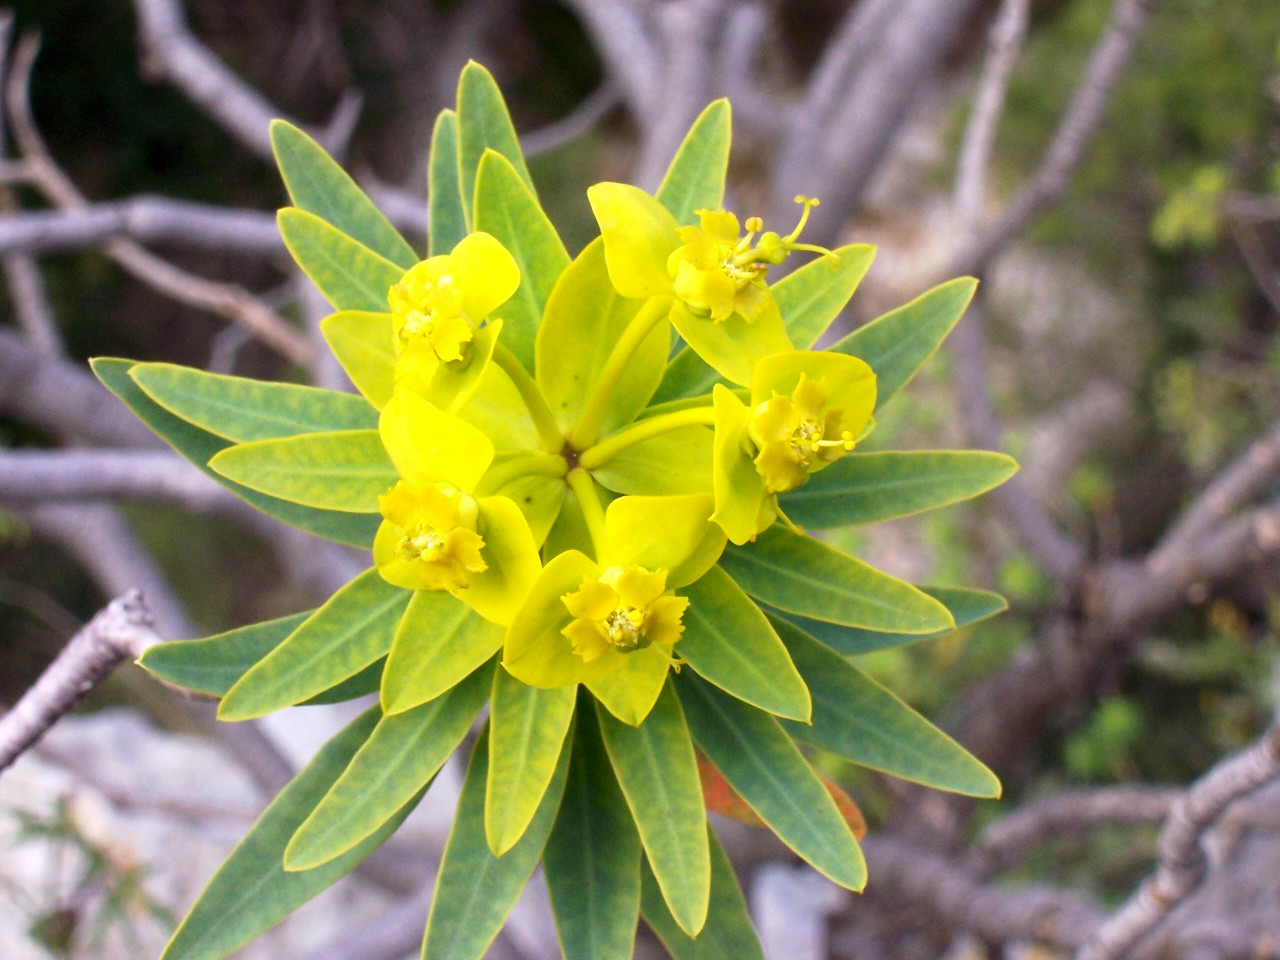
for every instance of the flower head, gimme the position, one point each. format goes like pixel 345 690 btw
pixel 807 411
pixel 439 305
pixel 434 529
pixel 624 608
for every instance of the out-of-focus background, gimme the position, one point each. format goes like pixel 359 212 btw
pixel 1111 170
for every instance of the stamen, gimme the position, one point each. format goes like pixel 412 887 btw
pixel 809 203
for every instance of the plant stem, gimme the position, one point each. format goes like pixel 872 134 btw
pixel 587 430
pixel 548 432
pixel 584 488
pixel 642 430
pixel 533 463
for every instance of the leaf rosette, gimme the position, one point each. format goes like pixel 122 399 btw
pixel 580 481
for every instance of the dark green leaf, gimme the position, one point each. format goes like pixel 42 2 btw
pixel 856 718
pixel 200 446
pixel 758 759
pixel 318 185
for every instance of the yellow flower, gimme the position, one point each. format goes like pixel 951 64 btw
pixel 624 609
pixel 438 307
pixel 798 434
pixel 434 528
pixel 807 410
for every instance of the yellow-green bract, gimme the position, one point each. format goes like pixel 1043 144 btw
pixel 582 482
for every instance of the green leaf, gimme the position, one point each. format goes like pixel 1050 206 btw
pixel 362 342
pixel 439 641
pixel 242 410
pixel 728 932
pixel 199 446
pixel 799 574
pixel 507 208
pixel 349 274
pixel 869 487
pixel 658 773
pixel 527 727
pixel 251 891
pixel 965 606
pixel 484 124
pixel 318 185
pixel 812 296
pixel 695 179
pixel 583 320
pixel 592 860
pixel 344 470
pixel 899 343
pixel 352 630
pixel 856 718
pixel 476 890
pixel 446 220
pixel 763 766
pixel 359 684
pixel 645 469
pixel 213 665
pixel 400 758
pixel 728 641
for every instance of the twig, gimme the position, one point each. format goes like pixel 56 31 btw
pixel 170 52
pixel 80 474
pixel 179 223
pixel 1233 486
pixel 1006 840
pixel 122 631
pixel 952 896
pixel 1182 860
pixel 629 46
pixel 589 112
pixel 1004 45
pixel 228 300
pixel 1088 105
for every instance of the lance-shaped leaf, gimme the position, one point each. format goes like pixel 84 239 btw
pixel 856 718
pixel 476 890
pixel 251 891
pixel 728 932
pixel 965 605
pixel 242 410
pixel 812 296
pixel 400 758
pixel 584 318
pixel 439 641
pixel 729 641
pixel 446 219
pixel 695 179
pixel 897 344
pixel 484 124
pixel 658 773
pixel 199 446
pixel 507 209
pixel 799 574
pixel 592 860
pixel 870 487
pixel 349 274
pixel 344 470
pixel 527 727
pixel 213 665
pixel 318 185
pixel 763 766
pixel 362 343
pixel 352 630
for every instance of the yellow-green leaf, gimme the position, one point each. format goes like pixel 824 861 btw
pixel 695 179
pixel 344 470
pixel 446 220
pixel 484 124
pixel 349 274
